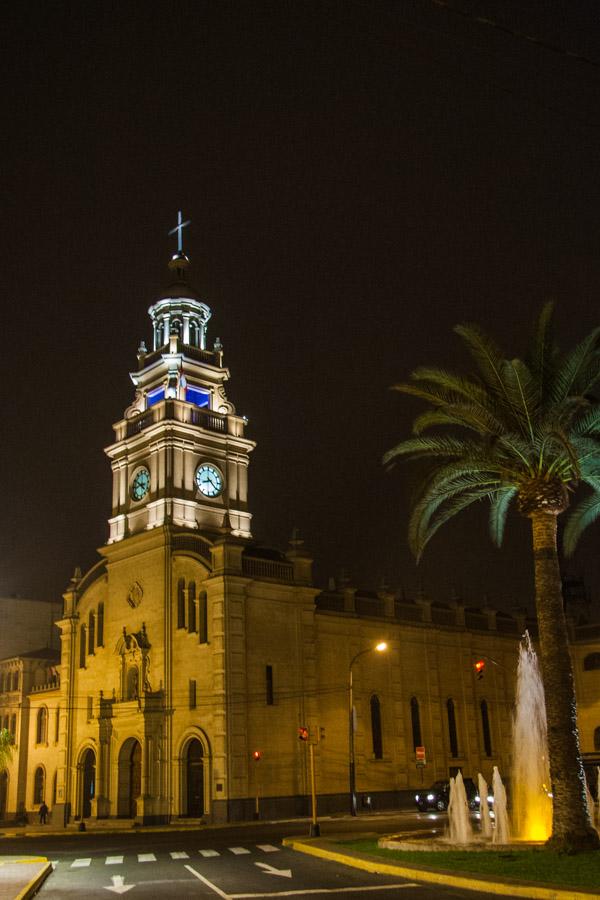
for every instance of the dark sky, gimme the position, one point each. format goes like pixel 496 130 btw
pixel 360 176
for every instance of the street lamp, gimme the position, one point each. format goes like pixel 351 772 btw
pixel 380 647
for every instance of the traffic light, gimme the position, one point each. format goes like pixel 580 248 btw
pixel 479 666
pixel 257 755
pixel 303 733
pixel 321 732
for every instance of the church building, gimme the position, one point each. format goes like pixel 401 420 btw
pixel 194 660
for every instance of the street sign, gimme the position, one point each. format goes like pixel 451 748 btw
pixel 420 756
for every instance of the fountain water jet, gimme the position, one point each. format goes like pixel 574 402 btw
pixel 532 807
pixel 501 833
pixel 486 822
pixel 460 829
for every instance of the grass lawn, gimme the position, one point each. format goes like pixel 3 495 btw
pixel 545 866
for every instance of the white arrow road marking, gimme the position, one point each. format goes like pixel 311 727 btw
pixel 271 870
pixel 117 885
pixel 208 883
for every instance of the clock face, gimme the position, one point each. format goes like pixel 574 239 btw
pixel 209 480
pixel 140 484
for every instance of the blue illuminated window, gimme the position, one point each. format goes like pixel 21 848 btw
pixel 155 396
pixel 197 396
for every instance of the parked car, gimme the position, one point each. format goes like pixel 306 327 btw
pixel 437 796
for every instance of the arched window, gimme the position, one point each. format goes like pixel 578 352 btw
pixel 56 724
pixel 485 725
pixel 597 738
pixel 15 680
pixel 452 735
pixel 376 727
pixel 38 786
pixel 100 626
pixel 192 606
pixel 82 646
pixel 415 718
pixel 591 661
pixel 181 603
pixel 202 618
pixel 41 732
pixel 91 632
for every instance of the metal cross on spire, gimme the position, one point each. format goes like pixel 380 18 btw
pixel 179 229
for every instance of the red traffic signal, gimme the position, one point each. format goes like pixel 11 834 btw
pixel 479 666
pixel 256 755
pixel 303 733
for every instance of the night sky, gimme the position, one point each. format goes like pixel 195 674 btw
pixel 360 176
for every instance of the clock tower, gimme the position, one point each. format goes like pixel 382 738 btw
pixel 180 456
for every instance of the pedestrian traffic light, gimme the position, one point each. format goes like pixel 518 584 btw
pixel 256 755
pixel 479 666
pixel 303 733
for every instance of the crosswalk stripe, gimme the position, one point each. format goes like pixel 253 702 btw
pixel 207 853
pixel 179 854
pixel 80 863
pixel 238 850
pixel 146 857
pixel 113 861
pixel 268 848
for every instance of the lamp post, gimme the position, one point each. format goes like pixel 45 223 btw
pixel 380 647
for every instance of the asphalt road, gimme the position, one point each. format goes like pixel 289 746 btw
pixel 231 863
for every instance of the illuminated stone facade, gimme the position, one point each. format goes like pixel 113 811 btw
pixel 188 646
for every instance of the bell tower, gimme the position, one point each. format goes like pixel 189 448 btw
pixel 180 455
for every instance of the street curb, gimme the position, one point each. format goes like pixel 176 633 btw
pixel 32 886
pixel 325 850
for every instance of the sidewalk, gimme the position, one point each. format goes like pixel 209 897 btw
pixel 326 848
pixel 20 877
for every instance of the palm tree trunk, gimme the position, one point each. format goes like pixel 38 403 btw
pixel 571 825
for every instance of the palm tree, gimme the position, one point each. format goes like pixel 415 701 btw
pixel 528 432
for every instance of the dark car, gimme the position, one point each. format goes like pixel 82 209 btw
pixel 437 796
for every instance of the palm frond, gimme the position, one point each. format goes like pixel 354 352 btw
pixel 543 353
pixel 475 418
pixel 453 382
pixel 570 371
pixel 522 392
pixel 583 514
pixel 440 447
pixel 499 506
pixel 488 359
pixel 589 423
pixel 454 506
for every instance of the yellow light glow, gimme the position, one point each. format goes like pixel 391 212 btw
pixel 381 646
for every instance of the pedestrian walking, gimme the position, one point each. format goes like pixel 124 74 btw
pixel 43 813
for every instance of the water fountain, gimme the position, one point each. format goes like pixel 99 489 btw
pixel 484 809
pixel 501 833
pixel 460 830
pixel 532 805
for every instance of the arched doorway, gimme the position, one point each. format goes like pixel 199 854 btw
pixel 195 779
pixel 130 778
pixel 3 794
pixel 88 783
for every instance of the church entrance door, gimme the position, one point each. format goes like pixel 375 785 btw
pixel 88 782
pixel 130 778
pixel 195 779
